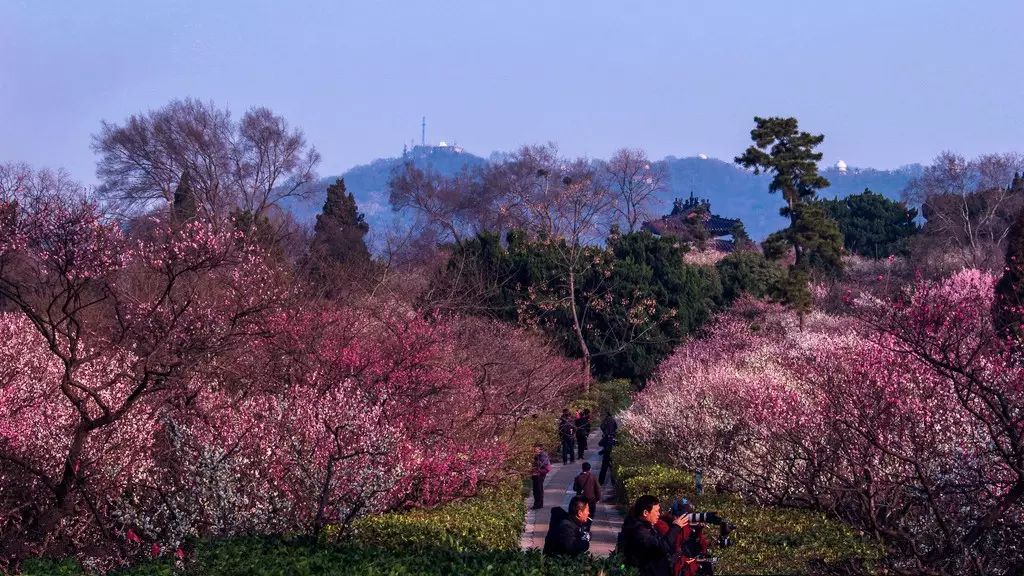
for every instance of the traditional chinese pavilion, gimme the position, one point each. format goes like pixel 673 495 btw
pixel 685 217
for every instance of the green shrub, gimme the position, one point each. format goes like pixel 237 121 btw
pixel 491 521
pixel 769 540
pixel 606 396
pixel 749 273
pixel 278 556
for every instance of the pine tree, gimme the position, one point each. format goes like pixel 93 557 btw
pixel 183 208
pixel 781 149
pixel 339 231
pixel 1017 185
pixel 1008 306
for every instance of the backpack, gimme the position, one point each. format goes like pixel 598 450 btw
pixel 557 515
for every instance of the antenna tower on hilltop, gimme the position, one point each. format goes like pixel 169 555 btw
pixel 423 132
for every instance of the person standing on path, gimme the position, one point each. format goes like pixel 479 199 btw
pixel 586 485
pixel 569 533
pixel 640 542
pixel 582 431
pixel 609 427
pixel 567 434
pixel 541 467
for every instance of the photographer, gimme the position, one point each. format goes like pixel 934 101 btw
pixel 640 542
pixel 691 551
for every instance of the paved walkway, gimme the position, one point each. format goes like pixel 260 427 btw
pixel 558 491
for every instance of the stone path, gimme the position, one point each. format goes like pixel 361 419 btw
pixel 558 491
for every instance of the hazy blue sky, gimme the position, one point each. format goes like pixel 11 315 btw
pixel 888 82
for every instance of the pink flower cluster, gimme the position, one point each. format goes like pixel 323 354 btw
pixel 163 384
pixel 902 415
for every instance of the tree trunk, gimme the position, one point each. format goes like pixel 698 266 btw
pixel 318 522
pixel 579 331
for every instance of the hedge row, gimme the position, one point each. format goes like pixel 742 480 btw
pixel 280 557
pixel 768 540
pixel 493 520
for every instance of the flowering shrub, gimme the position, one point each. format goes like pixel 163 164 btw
pixel 166 385
pixel 903 416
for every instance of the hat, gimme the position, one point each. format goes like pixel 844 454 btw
pixel 681 506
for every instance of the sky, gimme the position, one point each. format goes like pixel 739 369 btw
pixel 888 82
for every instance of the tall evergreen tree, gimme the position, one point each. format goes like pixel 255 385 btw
pixel 781 149
pixel 338 237
pixel 183 208
pixel 1008 312
pixel 873 225
pixel 1017 185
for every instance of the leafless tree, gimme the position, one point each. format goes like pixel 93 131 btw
pixel 249 165
pixel 270 160
pixel 969 206
pixel 636 182
pixel 572 207
pixel 564 202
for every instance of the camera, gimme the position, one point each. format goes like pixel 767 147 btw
pixel 725 528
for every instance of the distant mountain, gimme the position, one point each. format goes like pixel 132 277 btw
pixel 738 193
pixel 732 191
pixel 369 182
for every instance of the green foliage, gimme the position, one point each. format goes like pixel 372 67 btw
pixel 782 150
pixel 637 298
pixel 184 208
pixel 818 238
pixel 284 556
pixel 340 229
pixel 477 536
pixel 796 291
pixel 768 540
pixel 491 521
pixel 1008 307
pixel 259 229
pixel 749 273
pixel 873 225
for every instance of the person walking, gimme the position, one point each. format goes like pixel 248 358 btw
pixel 582 431
pixel 586 485
pixel 567 435
pixel 541 467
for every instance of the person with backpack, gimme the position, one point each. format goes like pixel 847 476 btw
pixel 567 435
pixel 569 532
pixel 586 486
pixel 541 467
pixel 582 431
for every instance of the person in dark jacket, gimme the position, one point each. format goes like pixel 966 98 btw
pixel 567 434
pixel 586 485
pixel 640 543
pixel 569 533
pixel 582 431
pixel 541 467
pixel 609 427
